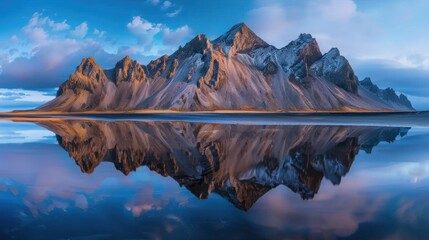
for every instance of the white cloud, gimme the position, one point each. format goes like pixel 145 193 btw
pixel 359 30
pixel 37 28
pixel 147 32
pixel 414 60
pixel 24 95
pixel 140 26
pixel 59 26
pixel 144 30
pixel 99 33
pixel 175 37
pixel 153 2
pixel 51 63
pixel 80 30
pixel 13 99
pixel 336 10
pixel 174 13
pixel 166 4
pixel 334 23
pixel 14 39
pixel 35 34
pixel 47 57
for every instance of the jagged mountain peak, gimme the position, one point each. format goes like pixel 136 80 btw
pixel 200 37
pixel 128 70
pixel 366 80
pixel 87 65
pixel 157 66
pixel 87 77
pixel 304 48
pixel 239 39
pixel 305 37
pixel 199 44
pixel 126 59
pixel 299 55
pixel 333 52
pixel 302 40
pixel 387 94
pixel 337 70
pixel 88 60
pixel 239 26
pixel 236 71
pixel 124 62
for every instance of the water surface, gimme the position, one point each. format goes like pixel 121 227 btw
pixel 134 179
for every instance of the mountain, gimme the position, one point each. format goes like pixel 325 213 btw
pixel 387 94
pixel 238 162
pixel 236 71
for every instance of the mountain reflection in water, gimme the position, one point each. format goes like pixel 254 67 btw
pixel 238 162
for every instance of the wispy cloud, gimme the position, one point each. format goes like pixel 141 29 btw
pixel 99 33
pixel 174 37
pixel 15 99
pixel 50 50
pixel 80 30
pixel 146 31
pixel 36 28
pixel 166 5
pixel 174 13
pixel 153 2
pixel 14 39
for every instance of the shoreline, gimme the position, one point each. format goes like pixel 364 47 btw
pixel 226 112
pixel 387 119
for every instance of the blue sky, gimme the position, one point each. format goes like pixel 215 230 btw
pixel 41 42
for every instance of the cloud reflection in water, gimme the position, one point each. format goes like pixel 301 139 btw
pixel 241 164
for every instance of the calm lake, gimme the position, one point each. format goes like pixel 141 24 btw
pixel 345 177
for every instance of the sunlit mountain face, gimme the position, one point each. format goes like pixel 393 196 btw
pixel 243 119
pixel 159 179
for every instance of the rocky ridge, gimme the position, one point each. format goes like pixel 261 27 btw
pixel 237 71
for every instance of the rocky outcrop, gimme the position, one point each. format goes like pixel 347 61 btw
pixel 128 70
pixel 236 71
pixel 299 55
pixel 87 77
pixel 387 94
pixel 337 70
pixel 157 67
pixel 239 162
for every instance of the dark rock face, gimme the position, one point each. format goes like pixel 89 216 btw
pixel 236 71
pixel 298 157
pixel 367 83
pixel 404 101
pixel 309 51
pixel 387 94
pixel 213 76
pixel 336 69
pixel 299 55
pixel 199 45
pixel 157 67
pixel 270 67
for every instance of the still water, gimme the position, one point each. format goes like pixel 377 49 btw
pixel 130 179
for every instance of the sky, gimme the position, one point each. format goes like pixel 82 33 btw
pixel 42 42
